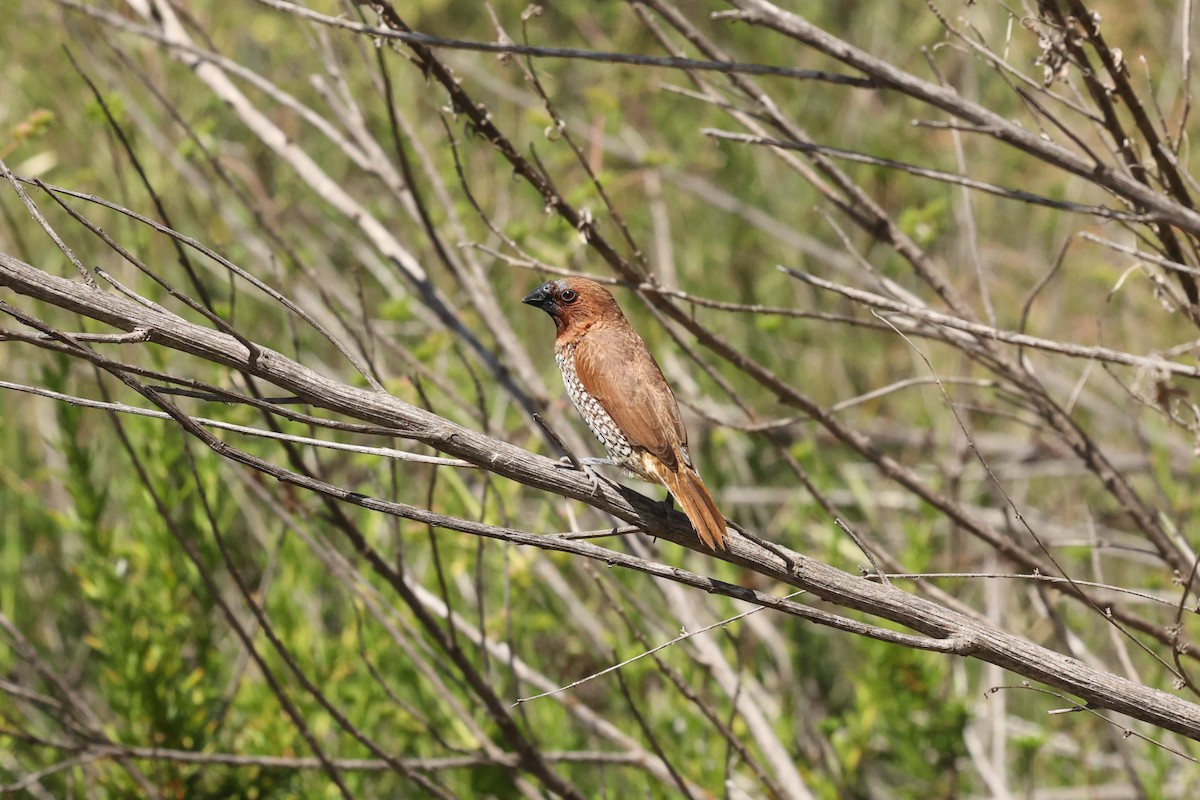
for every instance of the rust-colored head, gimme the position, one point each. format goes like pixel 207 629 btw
pixel 574 303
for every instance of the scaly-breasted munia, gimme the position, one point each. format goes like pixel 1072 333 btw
pixel 621 394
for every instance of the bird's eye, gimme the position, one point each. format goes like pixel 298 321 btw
pixel 568 296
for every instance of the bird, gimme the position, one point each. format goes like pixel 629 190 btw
pixel 619 390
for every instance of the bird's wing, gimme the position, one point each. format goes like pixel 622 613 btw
pixel 616 368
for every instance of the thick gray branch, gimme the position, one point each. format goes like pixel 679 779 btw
pixel 1100 689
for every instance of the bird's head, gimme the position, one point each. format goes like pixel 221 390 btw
pixel 573 302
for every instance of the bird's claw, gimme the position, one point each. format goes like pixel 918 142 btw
pixel 597 462
pixel 594 478
pixel 585 465
pixel 565 461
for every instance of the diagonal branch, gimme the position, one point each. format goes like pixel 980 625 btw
pixel 1100 689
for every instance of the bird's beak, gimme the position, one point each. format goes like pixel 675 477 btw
pixel 539 297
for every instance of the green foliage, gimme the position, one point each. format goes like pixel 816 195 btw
pixel 927 223
pixel 96 566
pixel 898 726
pixel 36 124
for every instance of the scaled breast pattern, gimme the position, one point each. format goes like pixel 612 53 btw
pixel 594 415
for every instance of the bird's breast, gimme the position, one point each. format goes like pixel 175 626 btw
pixel 593 413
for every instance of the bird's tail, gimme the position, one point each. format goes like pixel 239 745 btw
pixel 698 504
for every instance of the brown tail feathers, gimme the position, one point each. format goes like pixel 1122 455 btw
pixel 698 504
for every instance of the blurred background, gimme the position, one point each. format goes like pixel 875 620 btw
pixel 177 625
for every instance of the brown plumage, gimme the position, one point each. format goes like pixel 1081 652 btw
pixel 623 397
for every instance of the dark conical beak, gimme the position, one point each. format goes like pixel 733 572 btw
pixel 539 297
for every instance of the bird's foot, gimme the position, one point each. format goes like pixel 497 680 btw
pixel 668 504
pixel 565 461
pixel 587 464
